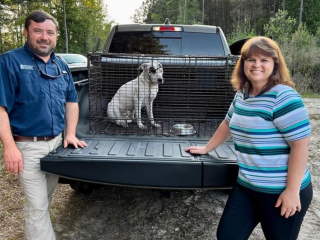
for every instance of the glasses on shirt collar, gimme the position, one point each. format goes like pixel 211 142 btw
pixel 48 76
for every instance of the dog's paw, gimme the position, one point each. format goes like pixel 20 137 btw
pixel 141 126
pixel 156 125
pixel 122 123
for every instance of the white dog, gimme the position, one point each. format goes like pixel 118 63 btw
pixel 126 104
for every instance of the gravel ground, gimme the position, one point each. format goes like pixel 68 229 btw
pixel 136 214
pixel 121 213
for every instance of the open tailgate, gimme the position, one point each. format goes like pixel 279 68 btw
pixel 160 163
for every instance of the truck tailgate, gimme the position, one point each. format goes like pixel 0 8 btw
pixel 159 163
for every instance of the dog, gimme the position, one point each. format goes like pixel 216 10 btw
pixel 131 97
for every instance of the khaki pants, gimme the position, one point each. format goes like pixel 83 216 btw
pixel 38 188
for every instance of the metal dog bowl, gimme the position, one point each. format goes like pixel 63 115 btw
pixel 183 129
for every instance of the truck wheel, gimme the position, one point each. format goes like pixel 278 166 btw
pixel 85 188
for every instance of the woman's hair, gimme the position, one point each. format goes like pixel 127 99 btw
pixel 40 16
pixel 267 47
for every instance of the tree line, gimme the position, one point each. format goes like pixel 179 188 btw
pixel 229 14
pixel 84 25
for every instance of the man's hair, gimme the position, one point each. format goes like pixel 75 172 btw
pixel 39 16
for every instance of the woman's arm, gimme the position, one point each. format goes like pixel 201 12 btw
pixel 220 136
pixel 290 199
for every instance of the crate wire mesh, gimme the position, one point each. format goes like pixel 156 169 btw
pixel 195 91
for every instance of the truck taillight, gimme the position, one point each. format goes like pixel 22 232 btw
pixel 167 28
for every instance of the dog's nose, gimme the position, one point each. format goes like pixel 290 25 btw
pixel 160 80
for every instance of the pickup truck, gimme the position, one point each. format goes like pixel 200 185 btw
pixel 190 105
pixel 77 63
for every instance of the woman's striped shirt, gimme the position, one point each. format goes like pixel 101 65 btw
pixel 261 128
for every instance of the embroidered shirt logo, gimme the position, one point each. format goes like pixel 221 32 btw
pixel 26 67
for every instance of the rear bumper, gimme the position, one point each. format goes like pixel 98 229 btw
pixel 153 164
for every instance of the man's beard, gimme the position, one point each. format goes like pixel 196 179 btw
pixel 39 51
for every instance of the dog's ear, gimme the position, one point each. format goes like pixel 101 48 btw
pixel 143 66
pixel 160 65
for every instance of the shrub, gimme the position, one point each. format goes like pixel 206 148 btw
pixel 302 55
pixel 280 27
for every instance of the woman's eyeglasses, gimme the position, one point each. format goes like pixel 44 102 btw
pixel 47 76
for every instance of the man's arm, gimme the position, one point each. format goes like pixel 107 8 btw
pixel 72 116
pixel 12 155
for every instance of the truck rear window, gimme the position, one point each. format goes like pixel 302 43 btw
pixel 170 43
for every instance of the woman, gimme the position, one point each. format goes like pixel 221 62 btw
pixel 271 130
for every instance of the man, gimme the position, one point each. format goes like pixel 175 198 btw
pixel 38 102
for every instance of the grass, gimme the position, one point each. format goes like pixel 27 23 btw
pixel 12 202
pixel 65 202
pixel 310 95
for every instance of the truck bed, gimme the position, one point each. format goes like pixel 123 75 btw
pixel 196 92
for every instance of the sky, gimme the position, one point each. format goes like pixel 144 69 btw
pixel 121 10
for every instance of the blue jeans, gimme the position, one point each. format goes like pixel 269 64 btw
pixel 246 208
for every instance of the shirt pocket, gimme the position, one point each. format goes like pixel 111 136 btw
pixel 63 83
pixel 32 87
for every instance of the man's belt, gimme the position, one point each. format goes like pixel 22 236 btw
pixel 32 139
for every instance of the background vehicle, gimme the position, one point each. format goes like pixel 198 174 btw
pixel 196 93
pixel 77 63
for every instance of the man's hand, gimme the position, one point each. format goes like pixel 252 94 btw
pixel 13 160
pixel 71 139
pixel 289 202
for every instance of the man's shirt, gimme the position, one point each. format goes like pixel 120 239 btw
pixel 34 101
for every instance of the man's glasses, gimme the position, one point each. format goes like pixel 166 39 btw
pixel 47 76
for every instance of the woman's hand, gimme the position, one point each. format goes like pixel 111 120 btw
pixel 197 150
pixel 220 136
pixel 289 201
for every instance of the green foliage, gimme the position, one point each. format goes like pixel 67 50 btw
pixel 310 95
pixel 189 13
pixel 228 14
pixel 240 33
pixel 317 35
pixel 280 27
pixel 178 11
pixel 310 14
pixel 13 14
pixel 142 12
pixel 302 54
pixel 87 27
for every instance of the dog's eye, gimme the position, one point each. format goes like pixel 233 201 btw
pixel 152 70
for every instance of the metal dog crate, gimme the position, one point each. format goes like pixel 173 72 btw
pixel 196 91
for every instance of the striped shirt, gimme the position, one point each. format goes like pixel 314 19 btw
pixel 261 128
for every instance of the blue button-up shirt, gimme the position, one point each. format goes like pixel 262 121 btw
pixel 34 102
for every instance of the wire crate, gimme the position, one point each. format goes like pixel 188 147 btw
pixel 196 91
